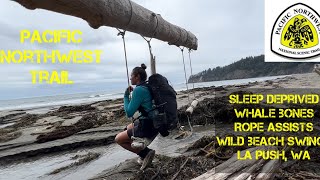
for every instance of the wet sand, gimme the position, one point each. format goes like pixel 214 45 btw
pixel 90 128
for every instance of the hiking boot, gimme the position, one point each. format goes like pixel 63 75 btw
pixel 148 159
pixel 140 143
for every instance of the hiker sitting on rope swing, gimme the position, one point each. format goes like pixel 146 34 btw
pixel 143 127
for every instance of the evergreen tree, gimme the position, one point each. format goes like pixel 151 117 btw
pixel 251 67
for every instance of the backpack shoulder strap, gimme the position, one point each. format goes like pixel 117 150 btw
pixel 141 109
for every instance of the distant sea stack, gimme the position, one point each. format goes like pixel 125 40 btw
pixel 252 67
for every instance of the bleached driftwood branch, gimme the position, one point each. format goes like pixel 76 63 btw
pixel 243 169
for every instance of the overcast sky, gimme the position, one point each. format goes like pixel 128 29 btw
pixel 226 30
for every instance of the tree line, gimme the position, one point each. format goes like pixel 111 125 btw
pixel 251 67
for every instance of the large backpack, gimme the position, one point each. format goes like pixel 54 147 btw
pixel 164 116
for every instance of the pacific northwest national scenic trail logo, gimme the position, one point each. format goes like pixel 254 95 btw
pixel 296 33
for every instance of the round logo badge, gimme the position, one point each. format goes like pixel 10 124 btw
pixel 296 33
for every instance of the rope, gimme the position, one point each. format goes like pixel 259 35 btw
pixel 185 73
pixel 194 93
pixel 150 52
pixel 155 30
pixel 149 45
pixel 122 33
pixel 149 41
pixel 191 129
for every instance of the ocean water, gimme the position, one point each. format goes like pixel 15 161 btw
pixel 47 102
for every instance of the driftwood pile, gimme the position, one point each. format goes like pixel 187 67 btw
pixel 244 169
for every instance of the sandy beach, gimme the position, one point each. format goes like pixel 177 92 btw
pixel 80 139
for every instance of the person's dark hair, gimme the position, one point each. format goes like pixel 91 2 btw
pixel 140 71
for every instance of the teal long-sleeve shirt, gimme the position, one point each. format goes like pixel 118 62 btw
pixel 140 96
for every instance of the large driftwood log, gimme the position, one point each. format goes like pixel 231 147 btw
pixel 235 169
pixel 123 14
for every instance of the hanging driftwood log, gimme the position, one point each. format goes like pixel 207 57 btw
pixel 243 169
pixel 123 14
